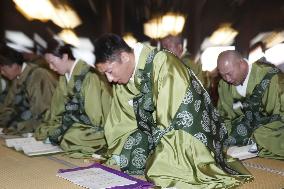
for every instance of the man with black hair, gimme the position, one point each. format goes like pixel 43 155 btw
pixel 29 95
pixel 162 122
pixel 79 107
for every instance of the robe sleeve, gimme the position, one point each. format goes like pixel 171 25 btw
pixel 52 117
pixel 168 79
pixel 40 89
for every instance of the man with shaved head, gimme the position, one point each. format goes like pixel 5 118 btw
pixel 175 45
pixel 251 100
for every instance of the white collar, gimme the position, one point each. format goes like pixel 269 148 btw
pixel 243 87
pixel 68 75
pixel 137 49
pixel 22 70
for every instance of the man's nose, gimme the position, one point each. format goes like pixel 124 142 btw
pixel 227 78
pixel 109 77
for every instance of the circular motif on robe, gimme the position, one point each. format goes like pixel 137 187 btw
pixel 123 161
pixel 217 146
pixel 26 115
pixel 189 72
pixel 148 103
pixel 18 99
pixel 215 114
pixel 200 136
pixel 205 122
pixel 249 115
pixel 55 132
pixel 129 143
pixel 71 107
pixel 274 70
pixel 64 127
pixel 85 119
pixel 188 97
pixel 78 84
pixel 213 127
pixel 26 103
pixel 196 86
pixel 75 100
pixel 222 131
pixel 139 158
pixel 150 57
pixel 275 117
pixel 265 83
pixel 66 118
pixel 185 119
pixel 142 115
pixel 145 89
pixel 144 125
pixel 150 141
pixel 135 105
pixel 138 138
pixel 207 99
pixel 230 141
pixel 242 130
pixel 197 105
pixel 257 116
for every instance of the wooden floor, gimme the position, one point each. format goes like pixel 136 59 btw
pixel 18 171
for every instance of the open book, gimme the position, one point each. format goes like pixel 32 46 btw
pixel 98 176
pixel 243 152
pixel 31 147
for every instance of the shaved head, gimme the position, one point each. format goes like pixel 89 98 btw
pixel 232 67
pixel 228 58
pixel 173 43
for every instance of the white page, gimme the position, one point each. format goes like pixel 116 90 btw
pixel 95 178
pixel 19 141
pixel 241 152
pixel 39 148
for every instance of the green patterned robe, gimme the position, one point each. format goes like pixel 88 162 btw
pixel 196 68
pixel 269 137
pixel 32 91
pixel 179 159
pixel 80 139
pixel 3 89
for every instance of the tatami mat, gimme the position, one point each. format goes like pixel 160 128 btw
pixel 18 171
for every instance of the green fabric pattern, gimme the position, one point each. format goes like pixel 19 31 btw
pixel 142 142
pixel 253 115
pixel 3 92
pixel 22 105
pixel 74 111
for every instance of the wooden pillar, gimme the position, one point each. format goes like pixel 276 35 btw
pixel 117 10
pixel 248 28
pixel 193 26
pixel 105 25
pixel 2 17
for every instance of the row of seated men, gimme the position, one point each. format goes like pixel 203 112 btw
pixel 147 112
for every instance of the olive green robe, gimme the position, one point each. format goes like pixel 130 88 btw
pixel 270 136
pixel 179 159
pixel 36 85
pixel 3 89
pixel 80 139
pixel 196 67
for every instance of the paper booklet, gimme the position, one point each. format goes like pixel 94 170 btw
pixel 243 152
pixel 98 176
pixel 31 147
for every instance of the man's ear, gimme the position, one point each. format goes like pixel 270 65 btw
pixel 65 57
pixel 124 56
